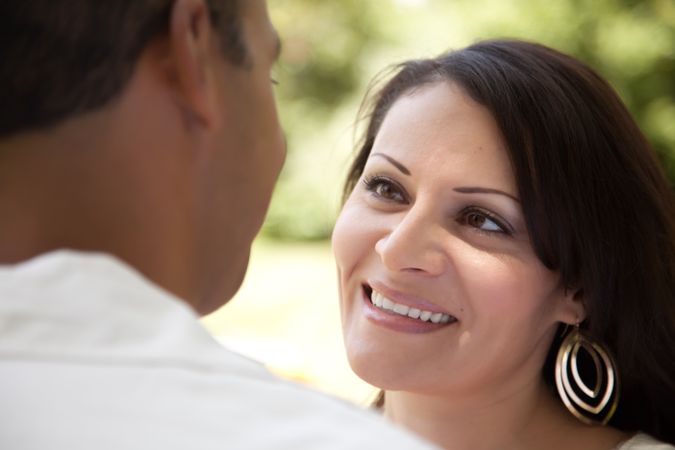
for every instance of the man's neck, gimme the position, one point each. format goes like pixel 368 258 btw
pixel 74 187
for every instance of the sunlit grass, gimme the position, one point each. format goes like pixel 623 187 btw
pixel 286 315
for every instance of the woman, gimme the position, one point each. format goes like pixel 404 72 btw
pixel 506 257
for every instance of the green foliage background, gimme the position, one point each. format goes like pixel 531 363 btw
pixel 333 48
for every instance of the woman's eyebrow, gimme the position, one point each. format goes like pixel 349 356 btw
pixel 481 190
pixel 404 170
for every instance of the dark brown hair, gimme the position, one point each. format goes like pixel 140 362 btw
pixel 61 58
pixel 598 207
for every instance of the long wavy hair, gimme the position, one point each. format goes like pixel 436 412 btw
pixel 598 207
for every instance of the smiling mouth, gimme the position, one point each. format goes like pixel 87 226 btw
pixel 383 303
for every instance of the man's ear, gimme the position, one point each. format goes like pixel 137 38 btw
pixel 572 310
pixel 190 46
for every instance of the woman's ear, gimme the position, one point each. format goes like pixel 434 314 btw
pixel 191 53
pixel 572 309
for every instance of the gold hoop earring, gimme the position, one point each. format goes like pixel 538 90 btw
pixel 595 405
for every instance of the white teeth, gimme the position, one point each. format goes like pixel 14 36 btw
pixel 377 299
pixel 387 304
pixel 384 303
pixel 401 309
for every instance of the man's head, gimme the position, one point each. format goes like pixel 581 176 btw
pixel 62 58
pixel 143 128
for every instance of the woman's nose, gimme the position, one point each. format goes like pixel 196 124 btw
pixel 413 245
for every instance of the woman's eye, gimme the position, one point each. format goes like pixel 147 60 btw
pixel 384 188
pixel 478 220
pixel 484 221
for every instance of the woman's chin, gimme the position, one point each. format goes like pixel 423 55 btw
pixel 385 376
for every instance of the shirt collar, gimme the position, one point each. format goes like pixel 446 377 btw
pixel 94 307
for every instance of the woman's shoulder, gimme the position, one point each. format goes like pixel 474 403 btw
pixel 643 441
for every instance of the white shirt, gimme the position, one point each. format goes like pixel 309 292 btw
pixel 93 356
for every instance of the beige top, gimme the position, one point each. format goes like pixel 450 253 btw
pixel 642 441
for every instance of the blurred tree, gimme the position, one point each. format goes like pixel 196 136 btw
pixel 331 49
pixel 324 46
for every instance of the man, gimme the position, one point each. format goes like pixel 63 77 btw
pixel 139 145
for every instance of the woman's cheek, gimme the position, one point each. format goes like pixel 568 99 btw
pixel 348 237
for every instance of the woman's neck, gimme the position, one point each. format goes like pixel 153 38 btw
pixel 527 419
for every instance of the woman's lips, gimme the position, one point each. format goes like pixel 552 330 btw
pixel 410 301
pixel 386 304
pixel 401 317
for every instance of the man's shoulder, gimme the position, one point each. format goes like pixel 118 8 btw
pixel 234 403
pixel 267 409
pixel 133 368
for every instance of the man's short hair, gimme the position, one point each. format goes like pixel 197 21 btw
pixel 61 58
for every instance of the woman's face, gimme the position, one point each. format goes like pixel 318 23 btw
pixel 440 288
